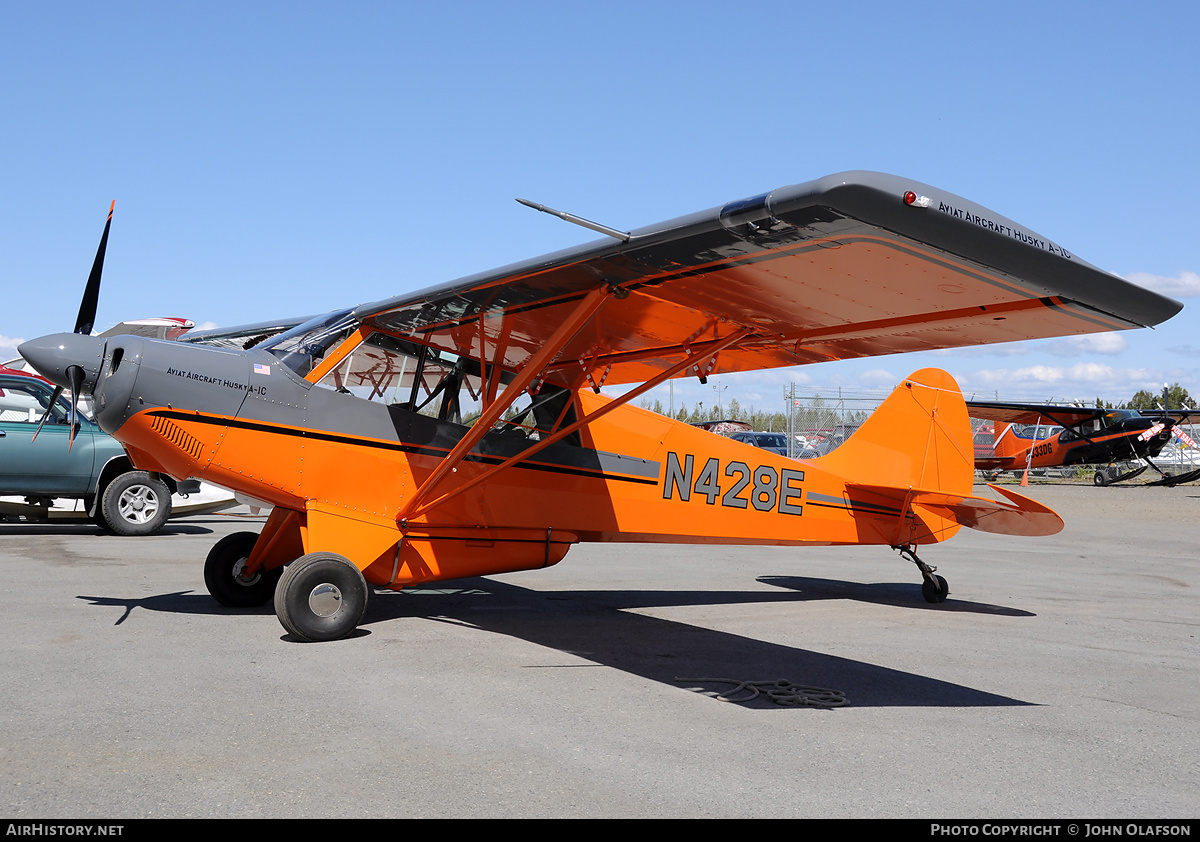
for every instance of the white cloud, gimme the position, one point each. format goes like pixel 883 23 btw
pixel 1183 285
pixel 1094 343
pixel 8 348
pixel 1002 349
pixel 878 378
pixel 1048 374
pixel 1082 381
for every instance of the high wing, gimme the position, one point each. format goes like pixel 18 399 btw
pixel 851 265
pixel 1032 413
pixel 1066 416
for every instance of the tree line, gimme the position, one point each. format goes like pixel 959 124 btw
pixel 817 413
pixel 811 414
pixel 1177 398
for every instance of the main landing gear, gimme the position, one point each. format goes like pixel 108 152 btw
pixel 320 596
pixel 224 573
pixel 934 587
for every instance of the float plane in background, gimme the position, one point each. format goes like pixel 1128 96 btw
pixel 1030 436
pixel 351 424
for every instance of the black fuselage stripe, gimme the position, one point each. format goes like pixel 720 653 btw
pixel 857 506
pixel 335 438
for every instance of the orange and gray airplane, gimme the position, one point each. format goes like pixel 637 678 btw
pixel 351 425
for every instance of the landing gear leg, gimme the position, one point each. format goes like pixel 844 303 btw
pixel 934 587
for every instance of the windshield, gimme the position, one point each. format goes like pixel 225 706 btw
pixel 1111 419
pixel 306 344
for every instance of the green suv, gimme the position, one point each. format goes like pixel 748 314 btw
pixel 94 468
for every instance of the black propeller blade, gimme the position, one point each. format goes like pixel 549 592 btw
pixel 75 373
pixel 91 293
pixel 58 390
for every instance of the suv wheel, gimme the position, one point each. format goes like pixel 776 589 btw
pixel 136 504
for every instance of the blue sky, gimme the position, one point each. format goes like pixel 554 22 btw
pixel 276 159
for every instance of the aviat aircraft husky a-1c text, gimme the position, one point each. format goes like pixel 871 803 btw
pixel 1027 436
pixel 328 421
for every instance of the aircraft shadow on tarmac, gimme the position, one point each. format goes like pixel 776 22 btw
pixel 61 528
pixel 593 625
pixel 596 626
pixel 897 594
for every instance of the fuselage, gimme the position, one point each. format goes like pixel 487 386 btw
pixel 347 454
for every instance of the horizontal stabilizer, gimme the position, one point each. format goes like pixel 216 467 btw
pixel 1020 516
pixel 996 463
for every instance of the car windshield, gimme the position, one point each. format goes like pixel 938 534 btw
pixel 26 401
pixel 771 440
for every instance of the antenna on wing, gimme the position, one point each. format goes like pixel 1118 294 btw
pixel 623 236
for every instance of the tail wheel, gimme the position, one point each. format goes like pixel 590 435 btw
pixel 933 587
pixel 321 596
pixel 935 594
pixel 224 573
pixel 1100 478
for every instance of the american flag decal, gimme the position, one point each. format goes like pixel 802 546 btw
pixel 259 368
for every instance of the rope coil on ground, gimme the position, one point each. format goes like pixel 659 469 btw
pixel 780 691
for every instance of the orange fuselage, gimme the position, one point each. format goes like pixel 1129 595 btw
pixel 635 476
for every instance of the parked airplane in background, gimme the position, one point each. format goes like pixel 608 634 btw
pixel 350 424
pixel 1029 436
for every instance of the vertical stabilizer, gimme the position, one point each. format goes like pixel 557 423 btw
pixel 1005 441
pixel 920 437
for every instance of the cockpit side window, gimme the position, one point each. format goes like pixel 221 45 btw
pixel 418 378
pixel 1038 432
pixel 400 372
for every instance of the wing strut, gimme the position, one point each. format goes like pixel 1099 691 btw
pixel 583 313
pixel 711 349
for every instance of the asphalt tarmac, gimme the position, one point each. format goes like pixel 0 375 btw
pixel 1060 680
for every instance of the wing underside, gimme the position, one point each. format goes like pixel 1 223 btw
pixel 1021 413
pixel 832 269
pixel 1066 416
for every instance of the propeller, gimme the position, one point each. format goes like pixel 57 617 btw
pixel 84 322
pixel 91 293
